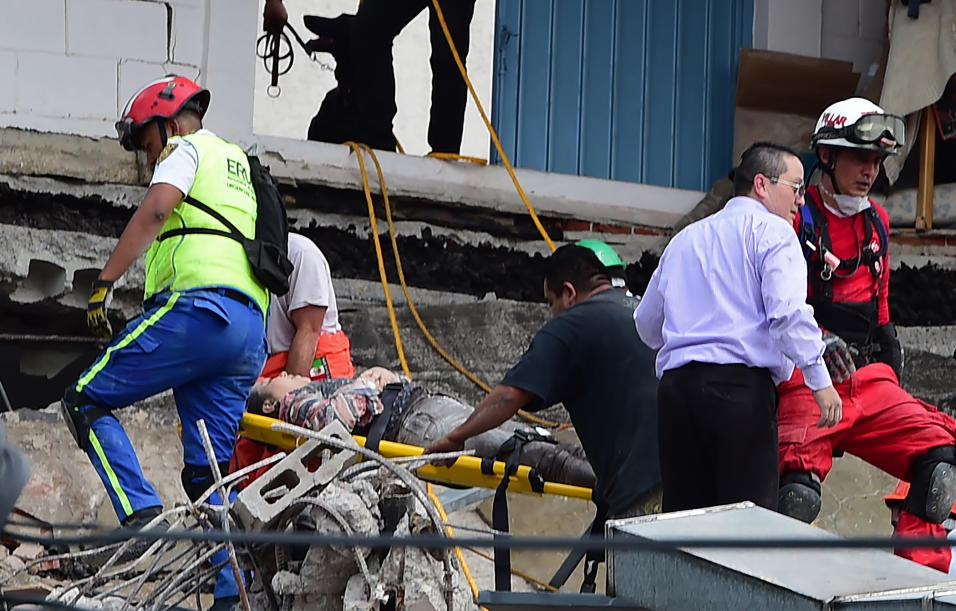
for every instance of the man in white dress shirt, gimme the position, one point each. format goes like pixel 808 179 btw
pixel 726 308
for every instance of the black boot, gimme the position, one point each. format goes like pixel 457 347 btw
pixel 135 521
pixel 226 603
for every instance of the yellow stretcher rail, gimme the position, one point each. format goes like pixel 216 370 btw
pixel 465 472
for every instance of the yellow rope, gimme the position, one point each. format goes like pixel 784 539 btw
pixel 451 534
pixel 411 304
pixel 457 157
pixel 491 130
pixel 378 253
pixel 521 574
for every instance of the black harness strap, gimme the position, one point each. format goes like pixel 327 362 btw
pixel 377 430
pixel 499 510
pixel 816 232
pixel 232 232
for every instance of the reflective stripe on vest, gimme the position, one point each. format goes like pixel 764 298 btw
pixel 195 261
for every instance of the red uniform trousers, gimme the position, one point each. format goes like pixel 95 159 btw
pixel 909 525
pixel 336 349
pixel 882 424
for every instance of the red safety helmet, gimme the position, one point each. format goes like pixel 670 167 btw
pixel 160 99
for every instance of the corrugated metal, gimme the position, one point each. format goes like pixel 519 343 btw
pixel 635 90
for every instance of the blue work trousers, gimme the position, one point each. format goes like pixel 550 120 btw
pixel 208 346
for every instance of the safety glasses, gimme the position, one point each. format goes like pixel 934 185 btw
pixel 886 131
pixel 126 132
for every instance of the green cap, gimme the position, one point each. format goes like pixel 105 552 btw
pixel 605 253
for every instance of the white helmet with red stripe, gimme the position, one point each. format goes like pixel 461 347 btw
pixel 858 123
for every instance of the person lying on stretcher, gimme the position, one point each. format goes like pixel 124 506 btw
pixel 381 404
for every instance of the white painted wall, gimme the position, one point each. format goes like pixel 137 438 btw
pixel 304 86
pixel 70 65
pixel 851 30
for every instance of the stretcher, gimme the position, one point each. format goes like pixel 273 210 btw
pixel 465 472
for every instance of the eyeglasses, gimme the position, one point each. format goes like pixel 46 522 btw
pixel 798 188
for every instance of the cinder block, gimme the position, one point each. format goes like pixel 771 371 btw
pixel 233 27
pixel 794 27
pixel 66 86
pixel 842 17
pixel 117 28
pixel 188 34
pixel 8 74
pixel 255 507
pixel 35 25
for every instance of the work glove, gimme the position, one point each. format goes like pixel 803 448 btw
pixel 100 297
pixel 838 356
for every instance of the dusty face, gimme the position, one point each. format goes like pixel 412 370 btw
pixel 276 388
pixel 781 198
pixel 560 303
pixel 854 171
pixel 148 140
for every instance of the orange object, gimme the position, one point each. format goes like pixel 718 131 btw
pixel 334 347
pixel 899 495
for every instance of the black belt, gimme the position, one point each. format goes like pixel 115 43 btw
pixel 237 296
pixel 229 293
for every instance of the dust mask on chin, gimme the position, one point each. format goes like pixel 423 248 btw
pixel 844 205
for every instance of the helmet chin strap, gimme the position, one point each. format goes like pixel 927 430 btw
pixel 163 136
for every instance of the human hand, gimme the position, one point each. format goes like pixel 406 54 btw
pixel 445 444
pixel 100 297
pixel 831 406
pixel 274 16
pixel 838 356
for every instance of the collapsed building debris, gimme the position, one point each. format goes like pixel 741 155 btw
pixel 318 490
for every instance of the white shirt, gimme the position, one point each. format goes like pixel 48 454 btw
pixel 179 167
pixel 309 284
pixel 732 288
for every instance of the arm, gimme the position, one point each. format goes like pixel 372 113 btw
pixel 308 328
pixel 649 315
pixel 501 404
pixel 142 229
pixel 883 314
pixel 783 286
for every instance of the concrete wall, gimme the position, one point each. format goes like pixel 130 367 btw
pixel 70 65
pixel 851 30
pixel 302 89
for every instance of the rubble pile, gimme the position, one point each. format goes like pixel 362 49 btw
pixel 318 489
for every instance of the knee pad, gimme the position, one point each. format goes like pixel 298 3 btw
pixel 197 480
pixel 80 413
pixel 933 485
pixel 799 495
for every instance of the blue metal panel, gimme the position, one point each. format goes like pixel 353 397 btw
pixel 636 90
pixel 534 102
pixel 660 89
pixel 565 68
pixel 691 100
pixel 627 118
pixel 594 149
